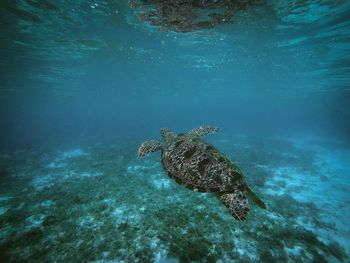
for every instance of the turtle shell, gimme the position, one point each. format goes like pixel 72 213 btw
pixel 197 165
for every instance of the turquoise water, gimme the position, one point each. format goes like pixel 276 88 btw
pixel 84 83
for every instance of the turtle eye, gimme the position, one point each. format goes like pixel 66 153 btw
pixel 240 195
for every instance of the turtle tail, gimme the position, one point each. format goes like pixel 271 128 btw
pixel 253 196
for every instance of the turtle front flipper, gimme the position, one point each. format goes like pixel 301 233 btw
pixel 203 130
pixel 237 204
pixel 149 147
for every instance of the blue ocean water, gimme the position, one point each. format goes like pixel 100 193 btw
pixel 84 83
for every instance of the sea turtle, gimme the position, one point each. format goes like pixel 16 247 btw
pixel 197 165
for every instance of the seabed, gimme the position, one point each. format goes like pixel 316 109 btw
pixel 102 203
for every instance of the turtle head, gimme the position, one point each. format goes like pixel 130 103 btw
pixel 167 134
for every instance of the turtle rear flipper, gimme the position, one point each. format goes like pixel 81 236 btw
pixel 237 204
pixel 203 130
pixel 149 147
pixel 255 198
